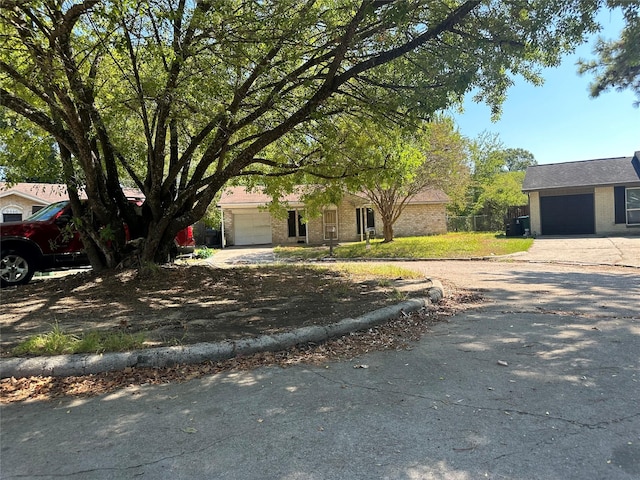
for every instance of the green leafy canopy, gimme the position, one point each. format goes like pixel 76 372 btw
pixel 618 61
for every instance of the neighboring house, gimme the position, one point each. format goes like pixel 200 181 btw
pixel 589 197
pixel 21 200
pixel 246 222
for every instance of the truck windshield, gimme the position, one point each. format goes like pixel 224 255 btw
pixel 48 212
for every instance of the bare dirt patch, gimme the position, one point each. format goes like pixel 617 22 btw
pixel 177 305
pixel 182 305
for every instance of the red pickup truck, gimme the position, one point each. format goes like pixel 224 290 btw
pixel 41 243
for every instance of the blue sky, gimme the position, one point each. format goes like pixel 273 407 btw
pixel 558 121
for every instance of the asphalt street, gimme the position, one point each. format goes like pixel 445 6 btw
pixel 541 382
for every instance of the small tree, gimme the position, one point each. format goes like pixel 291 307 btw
pixel 389 166
pixel 518 159
pixel 504 191
pixel 498 173
pixel 434 157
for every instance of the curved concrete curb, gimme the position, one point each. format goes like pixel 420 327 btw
pixel 82 364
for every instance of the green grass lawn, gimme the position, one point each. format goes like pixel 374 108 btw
pixel 450 245
pixel 58 342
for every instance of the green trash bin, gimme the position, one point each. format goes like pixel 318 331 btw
pixel 525 224
pixel 514 228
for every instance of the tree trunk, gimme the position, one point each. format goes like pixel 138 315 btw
pixel 158 243
pixel 85 228
pixel 387 229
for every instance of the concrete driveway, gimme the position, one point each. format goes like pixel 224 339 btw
pixel 623 251
pixel 243 256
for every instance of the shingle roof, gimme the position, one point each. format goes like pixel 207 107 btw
pixel 48 192
pixel 242 196
pixel 236 196
pixel 430 195
pixel 42 192
pixel 586 173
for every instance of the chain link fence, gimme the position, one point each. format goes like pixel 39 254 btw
pixel 476 223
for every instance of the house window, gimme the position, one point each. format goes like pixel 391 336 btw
pixel 633 206
pixel 366 215
pixel 296 226
pixel 11 217
pixel 11 214
pixel 330 221
pixel 36 208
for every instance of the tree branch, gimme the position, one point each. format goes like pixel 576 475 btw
pixel 447 24
pixel 38 117
pixel 70 17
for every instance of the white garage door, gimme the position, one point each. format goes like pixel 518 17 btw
pixel 252 228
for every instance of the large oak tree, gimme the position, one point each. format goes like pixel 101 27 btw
pixel 177 97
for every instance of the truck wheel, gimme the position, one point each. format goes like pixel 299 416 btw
pixel 16 268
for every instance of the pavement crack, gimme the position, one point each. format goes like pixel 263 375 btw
pixel 379 389
pixel 204 448
pixel 615 247
pixel 100 469
pixel 509 411
pixel 577 423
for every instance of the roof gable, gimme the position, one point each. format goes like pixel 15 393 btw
pixel 586 173
pixel 242 196
pixel 41 193
pixel 46 193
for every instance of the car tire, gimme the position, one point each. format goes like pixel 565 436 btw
pixel 16 268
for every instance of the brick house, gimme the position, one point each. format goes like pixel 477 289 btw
pixel 21 200
pixel 599 196
pixel 246 222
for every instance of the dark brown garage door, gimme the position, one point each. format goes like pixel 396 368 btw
pixel 567 214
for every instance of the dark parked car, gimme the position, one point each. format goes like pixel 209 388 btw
pixel 42 242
